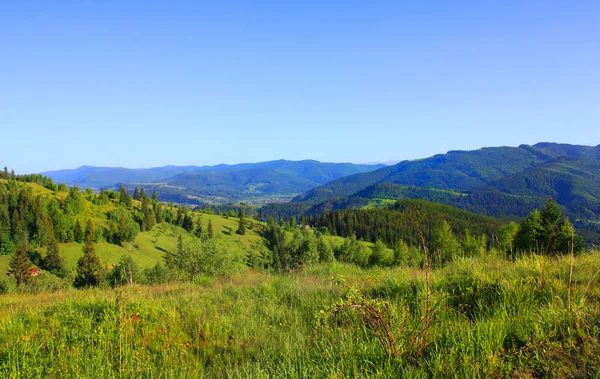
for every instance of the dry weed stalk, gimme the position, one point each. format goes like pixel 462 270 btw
pixel 376 314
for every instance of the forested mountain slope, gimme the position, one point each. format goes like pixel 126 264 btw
pixel 501 182
pixel 456 170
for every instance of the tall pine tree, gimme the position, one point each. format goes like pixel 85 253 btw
pixel 211 232
pixel 52 261
pixel 89 269
pixel 20 266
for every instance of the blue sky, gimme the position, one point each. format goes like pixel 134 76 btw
pixel 143 84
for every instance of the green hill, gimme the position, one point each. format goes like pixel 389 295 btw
pixel 42 212
pixel 456 170
pixel 500 182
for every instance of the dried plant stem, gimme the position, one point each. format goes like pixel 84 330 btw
pixel 427 288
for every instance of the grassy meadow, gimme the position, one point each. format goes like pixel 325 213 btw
pixel 489 317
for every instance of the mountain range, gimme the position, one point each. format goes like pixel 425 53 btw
pixel 502 181
pixel 215 184
pixel 505 182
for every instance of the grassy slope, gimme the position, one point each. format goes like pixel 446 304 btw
pixel 148 247
pixel 260 325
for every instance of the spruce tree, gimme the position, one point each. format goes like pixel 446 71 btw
pixel 20 266
pixel 89 268
pixel 241 230
pixel 78 232
pixel 136 194
pixel 188 223
pixel 148 212
pixel 211 233
pixel 198 231
pixel 158 213
pixel 52 261
pixel 154 196
pixel 124 197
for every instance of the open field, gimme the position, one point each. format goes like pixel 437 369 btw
pixel 490 318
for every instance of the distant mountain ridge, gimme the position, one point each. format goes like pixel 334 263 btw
pixel 219 183
pixel 493 181
pixel 456 170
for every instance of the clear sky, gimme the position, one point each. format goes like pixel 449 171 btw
pixel 143 83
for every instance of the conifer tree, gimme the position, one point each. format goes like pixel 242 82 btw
pixel 89 269
pixel 148 212
pixel 53 262
pixel 154 196
pixel 102 196
pixel 158 213
pixel 142 193
pixel 198 231
pixel 136 194
pixel 325 251
pixel 20 265
pixel 124 197
pixel 211 233
pixel 188 223
pixel 241 230
pixel 78 232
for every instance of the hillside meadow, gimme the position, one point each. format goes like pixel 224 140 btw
pixel 490 317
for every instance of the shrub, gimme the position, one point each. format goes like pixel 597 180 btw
pixel 3 287
pixel 470 295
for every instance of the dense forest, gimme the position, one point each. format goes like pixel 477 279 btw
pixel 399 222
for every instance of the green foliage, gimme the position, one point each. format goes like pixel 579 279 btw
pixel 473 246
pixel 445 246
pixel 78 232
pixel 148 216
pixel 89 269
pixel 158 274
pixel 547 232
pixel 197 258
pixel 472 296
pixel 392 225
pixel 3 287
pixel 506 236
pixel 352 251
pixel 52 261
pixel 241 230
pixel 125 198
pixel 122 226
pixel 125 272
pixel 262 324
pixel 325 251
pixel 20 266
pixel 210 230
pixel 381 255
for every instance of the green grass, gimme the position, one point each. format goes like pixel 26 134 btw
pixel 493 318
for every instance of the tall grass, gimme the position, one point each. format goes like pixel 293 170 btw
pixel 493 318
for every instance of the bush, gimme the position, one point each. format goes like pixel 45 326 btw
pixel 156 275
pixel 470 295
pixel 3 287
pixel 197 258
pixel 352 251
pixel 124 272
pixel 381 255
